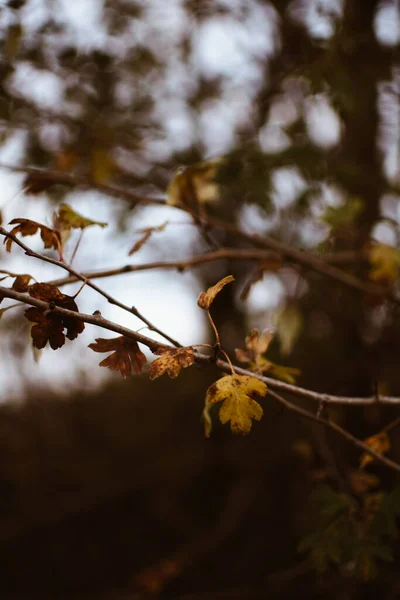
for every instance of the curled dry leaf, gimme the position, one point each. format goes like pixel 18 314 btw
pixel 195 186
pixel 50 326
pixel 206 298
pixel 146 234
pixel 50 237
pixel 379 442
pixel 171 361
pixel 21 282
pixel 125 357
pixel 235 392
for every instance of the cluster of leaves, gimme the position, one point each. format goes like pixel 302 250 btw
pixel 353 534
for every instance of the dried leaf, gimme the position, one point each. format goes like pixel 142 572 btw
pixel 49 325
pixel 235 392
pixel 385 261
pixel 206 298
pixel 126 355
pixel 171 361
pixel 379 442
pixel 146 234
pixel 25 227
pixel 21 282
pixel 67 218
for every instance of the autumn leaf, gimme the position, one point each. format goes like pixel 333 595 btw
pixel 206 298
pixel 21 282
pixel 68 218
pixel 235 392
pixel 171 361
pixel 49 326
pixel 126 355
pixel 256 346
pixel 146 234
pixel 25 227
pixel 102 165
pixel 196 185
pixel 385 262
pixel 379 442
pixel 35 183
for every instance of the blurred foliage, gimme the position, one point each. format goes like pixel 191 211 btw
pixel 299 100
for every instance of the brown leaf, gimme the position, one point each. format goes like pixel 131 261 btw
pixel 50 326
pixel 206 298
pixel 172 361
pixel 25 227
pixel 146 234
pixel 126 355
pixel 21 282
pixel 35 183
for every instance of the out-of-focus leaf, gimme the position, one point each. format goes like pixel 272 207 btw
pixel 196 185
pixel 13 41
pixel 102 165
pixel 25 227
pixel 344 215
pixel 68 218
pixel 289 327
pixel 385 262
pixel 379 442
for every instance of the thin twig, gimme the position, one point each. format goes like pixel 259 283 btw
pixel 100 321
pixel 78 276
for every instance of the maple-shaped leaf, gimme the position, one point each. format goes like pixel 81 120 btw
pixel 206 298
pixel 50 326
pixel 125 357
pixel 256 346
pixel 21 281
pixel 50 237
pixel 235 392
pixel 385 261
pixel 68 218
pixel 379 442
pixel 171 362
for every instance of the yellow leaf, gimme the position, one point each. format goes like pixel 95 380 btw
pixel 67 218
pixel 206 298
pixel 379 442
pixel 194 186
pixel 385 261
pixel 172 361
pixel 102 165
pixel 235 392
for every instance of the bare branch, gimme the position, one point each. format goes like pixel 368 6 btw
pixel 131 309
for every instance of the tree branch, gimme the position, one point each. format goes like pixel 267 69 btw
pixel 100 321
pixel 131 309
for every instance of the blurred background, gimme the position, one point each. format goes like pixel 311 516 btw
pixel 108 488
